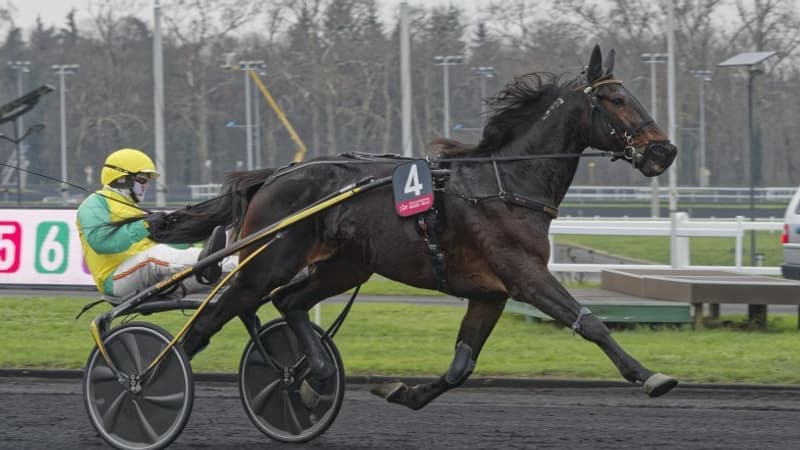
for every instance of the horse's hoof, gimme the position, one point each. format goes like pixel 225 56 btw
pixel 659 384
pixel 390 391
pixel 309 395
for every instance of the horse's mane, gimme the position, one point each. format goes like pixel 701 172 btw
pixel 518 105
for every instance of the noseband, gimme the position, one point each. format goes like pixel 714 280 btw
pixel 629 135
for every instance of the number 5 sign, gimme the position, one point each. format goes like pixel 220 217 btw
pixel 413 188
pixel 10 238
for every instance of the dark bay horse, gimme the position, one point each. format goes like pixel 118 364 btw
pixel 497 205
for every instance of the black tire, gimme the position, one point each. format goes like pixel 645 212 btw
pixel 156 415
pixel 277 408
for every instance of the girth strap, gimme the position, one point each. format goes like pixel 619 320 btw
pixel 427 224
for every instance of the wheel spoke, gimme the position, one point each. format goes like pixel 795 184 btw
pixel 290 416
pixel 260 399
pixel 111 414
pixel 257 360
pixel 132 347
pixel 155 372
pixel 102 374
pixel 145 424
pixel 170 401
pixel 302 371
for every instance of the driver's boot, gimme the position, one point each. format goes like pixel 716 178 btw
pixel 215 243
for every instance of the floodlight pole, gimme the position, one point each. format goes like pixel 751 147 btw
pixel 702 76
pixel 652 59
pixel 21 67
pixel 749 60
pixel 484 72
pixel 62 70
pixel 445 62
pixel 751 74
pixel 246 67
pixel 405 81
pixel 257 127
pixel 158 106
pixel 248 118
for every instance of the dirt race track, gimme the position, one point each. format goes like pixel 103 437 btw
pixel 49 414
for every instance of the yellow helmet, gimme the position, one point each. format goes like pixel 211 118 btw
pixel 126 161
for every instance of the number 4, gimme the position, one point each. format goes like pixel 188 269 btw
pixel 412 182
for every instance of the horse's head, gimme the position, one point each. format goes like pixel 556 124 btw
pixel 620 123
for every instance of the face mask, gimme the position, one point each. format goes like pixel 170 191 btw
pixel 138 190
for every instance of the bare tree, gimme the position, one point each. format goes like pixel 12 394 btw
pixel 198 27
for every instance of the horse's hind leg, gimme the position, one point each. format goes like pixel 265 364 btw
pixel 542 290
pixel 325 279
pixel 275 267
pixel 478 323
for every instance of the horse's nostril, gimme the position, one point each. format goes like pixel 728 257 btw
pixel 663 152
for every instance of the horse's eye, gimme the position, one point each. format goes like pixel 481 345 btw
pixel 618 101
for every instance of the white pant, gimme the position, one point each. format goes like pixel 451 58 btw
pixel 147 268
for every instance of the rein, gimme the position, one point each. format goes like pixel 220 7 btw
pixel 492 158
pixel 76 186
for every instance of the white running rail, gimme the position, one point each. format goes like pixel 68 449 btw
pixel 680 228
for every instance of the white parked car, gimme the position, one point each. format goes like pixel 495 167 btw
pixel 791 239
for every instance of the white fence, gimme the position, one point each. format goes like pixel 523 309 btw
pixel 685 194
pixel 679 228
pixel 204 191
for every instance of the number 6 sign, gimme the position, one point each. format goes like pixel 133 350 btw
pixel 52 247
pixel 413 188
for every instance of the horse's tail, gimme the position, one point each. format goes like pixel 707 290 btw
pixel 195 223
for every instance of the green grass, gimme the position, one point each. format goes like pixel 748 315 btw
pixel 705 251
pixel 378 285
pixel 399 339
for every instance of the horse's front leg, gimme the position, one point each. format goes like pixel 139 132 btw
pixel 478 323
pixel 537 286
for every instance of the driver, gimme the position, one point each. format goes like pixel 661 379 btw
pixel 123 259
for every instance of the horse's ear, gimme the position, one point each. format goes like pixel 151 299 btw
pixel 595 69
pixel 610 62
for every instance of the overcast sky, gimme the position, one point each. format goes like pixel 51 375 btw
pixel 53 12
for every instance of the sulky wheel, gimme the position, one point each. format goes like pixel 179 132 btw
pixel 138 414
pixel 282 406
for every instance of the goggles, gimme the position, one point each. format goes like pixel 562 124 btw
pixel 141 178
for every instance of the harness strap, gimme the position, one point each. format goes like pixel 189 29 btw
pixel 427 224
pixel 529 203
pixel 520 200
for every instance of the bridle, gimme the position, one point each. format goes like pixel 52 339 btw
pixel 628 136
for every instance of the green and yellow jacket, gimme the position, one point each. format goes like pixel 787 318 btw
pixel 105 247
